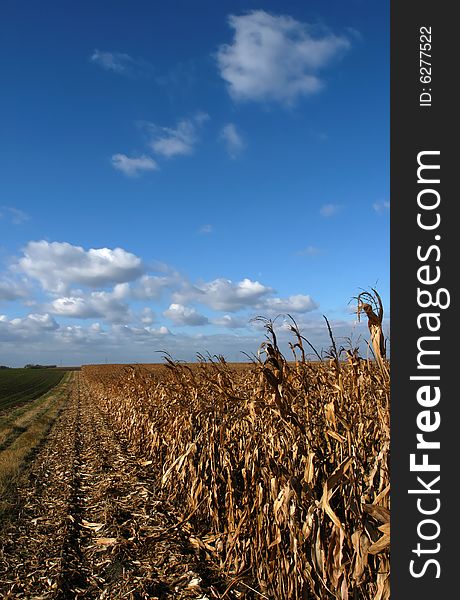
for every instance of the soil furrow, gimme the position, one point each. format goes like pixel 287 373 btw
pixel 72 581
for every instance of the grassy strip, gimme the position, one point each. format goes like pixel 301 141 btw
pixel 13 458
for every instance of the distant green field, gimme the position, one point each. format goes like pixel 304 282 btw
pixel 22 385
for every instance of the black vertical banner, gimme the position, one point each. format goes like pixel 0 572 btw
pixel 425 430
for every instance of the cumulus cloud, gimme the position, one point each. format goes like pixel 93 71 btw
pixel 276 58
pixel 233 140
pixel 73 307
pixel 158 331
pixel 121 63
pixel 58 265
pixel 176 141
pixel 105 305
pixel 151 287
pixel 32 326
pixel 329 210
pixel 183 315
pixel 298 303
pixel 95 344
pixel 147 316
pixel 70 286
pixel 132 167
pixel 223 294
pixel 126 333
pixel 230 322
pixel 12 290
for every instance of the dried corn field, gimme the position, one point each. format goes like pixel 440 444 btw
pixel 211 480
pixel 280 470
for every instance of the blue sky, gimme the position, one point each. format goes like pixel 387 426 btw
pixel 170 170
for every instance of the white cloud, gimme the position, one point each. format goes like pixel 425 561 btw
pixel 329 210
pixel 226 295
pixel 31 327
pixel 127 299
pixel 233 140
pixel 14 215
pixel 183 315
pixel 121 63
pixel 126 333
pixel 58 265
pixel 159 331
pixel 12 290
pixel 178 141
pixel 230 322
pixel 147 316
pixel 105 305
pixel 298 303
pixel 276 58
pixel 381 207
pixel 223 294
pixel 133 166
pixel 73 307
pixel 110 343
pixel 151 287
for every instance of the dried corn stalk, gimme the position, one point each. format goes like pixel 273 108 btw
pixel 374 312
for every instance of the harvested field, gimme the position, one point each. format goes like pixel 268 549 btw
pixel 209 481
